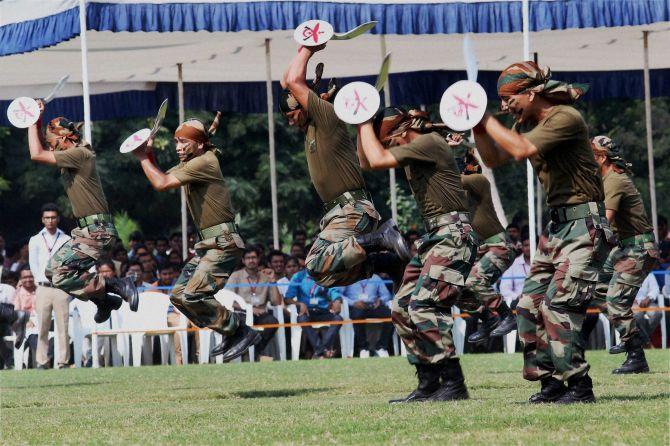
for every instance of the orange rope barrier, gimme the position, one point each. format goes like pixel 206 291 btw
pixel 323 324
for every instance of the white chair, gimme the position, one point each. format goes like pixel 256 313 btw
pixel 83 324
pixel 346 332
pixel 602 317
pixel 660 299
pixel 227 298
pixel 458 330
pixel 509 342
pixel 280 336
pixel 296 333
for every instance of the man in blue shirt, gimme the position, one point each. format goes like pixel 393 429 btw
pixel 315 304
pixel 369 299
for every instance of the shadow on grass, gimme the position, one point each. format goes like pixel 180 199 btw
pixel 658 396
pixel 275 393
pixel 77 384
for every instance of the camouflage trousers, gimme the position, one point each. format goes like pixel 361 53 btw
pixel 432 283
pixel 336 258
pixel 204 275
pixel 494 256
pixel 68 268
pixel 619 281
pixel 556 294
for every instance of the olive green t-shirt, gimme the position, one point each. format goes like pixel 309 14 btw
pixel 482 213
pixel 81 180
pixel 206 191
pixel 622 196
pixel 565 163
pixel 331 154
pixel 432 174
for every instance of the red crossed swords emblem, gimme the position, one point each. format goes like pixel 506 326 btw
pixel 23 113
pixel 463 106
pixel 356 103
pixel 308 32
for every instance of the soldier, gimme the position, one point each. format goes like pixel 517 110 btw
pixel 629 263
pixel 554 137
pixel 220 247
pixel 496 253
pixel 349 233
pixel 69 268
pixel 434 278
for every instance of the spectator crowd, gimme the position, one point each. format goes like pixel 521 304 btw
pixel 265 278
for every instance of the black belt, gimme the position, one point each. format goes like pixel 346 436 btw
pixel 94 219
pixel 349 197
pixel 568 213
pixel 433 223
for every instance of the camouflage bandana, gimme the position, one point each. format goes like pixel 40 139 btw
pixel 194 130
pixel 602 145
pixel 524 77
pixel 60 130
pixel 390 123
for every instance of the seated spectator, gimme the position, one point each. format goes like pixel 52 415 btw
pixel 299 238
pixel 163 285
pixel 511 287
pixel 106 268
pixel 174 259
pixel 292 267
pixel 11 320
pixel 277 261
pixel 135 240
pixel 149 266
pixel 514 233
pixel 175 243
pixel 162 246
pixel 315 304
pixel 120 259
pixel 135 271
pixel 647 299
pixel 22 258
pixel 24 300
pixel 248 283
pixel 663 240
pixel 150 243
pixel 297 250
pixel 369 298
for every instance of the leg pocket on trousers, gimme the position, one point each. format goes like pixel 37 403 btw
pixel 577 290
pixel 441 285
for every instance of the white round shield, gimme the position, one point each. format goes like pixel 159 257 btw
pixel 313 32
pixel 356 102
pixel 463 105
pixel 23 112
pixel 135 140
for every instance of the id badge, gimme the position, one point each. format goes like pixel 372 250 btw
pixel 314 301
pixel 363 297
pixel 255 300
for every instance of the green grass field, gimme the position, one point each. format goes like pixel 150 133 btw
pixel 319 402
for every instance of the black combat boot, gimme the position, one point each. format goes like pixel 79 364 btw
pixel 489 321
pixel 386 238
pixel 580 390
pixel 453 383
pixel 635 361
pixel 125 288
pixel 508 323
pixel 105 306
pixel 618 349
pixel 17 320
pixel 238 343
pixel 552 389
pixel 429 382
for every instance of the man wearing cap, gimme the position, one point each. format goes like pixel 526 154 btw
pixel 496 253
pixel 69 268
pixel 434 278
pixel 629 263
pixel 220 247
pixel 340 254
pixel 554 137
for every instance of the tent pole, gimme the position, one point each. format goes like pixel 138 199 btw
pixel 650 141
pixel 184 217
pixel 538 190
pixel 530 175
pixel 392 180
pixel 84 71
pixel 271 143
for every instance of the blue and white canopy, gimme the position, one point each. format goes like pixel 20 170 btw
pixel 134 46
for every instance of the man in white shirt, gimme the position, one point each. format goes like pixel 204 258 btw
pixel 42 247
pixel 511 287
pixel 645 300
